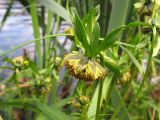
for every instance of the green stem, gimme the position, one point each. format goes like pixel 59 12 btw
pixel 47 45
pixel 17 84
pixel 6 67
pixel 84 112
pixel 154 9
pixel 153 69
pixel 34 15
pixel 54 88
pixel 148 64
pixel 99 99
pixel 124 97
pixel 144 78
pixel 29 42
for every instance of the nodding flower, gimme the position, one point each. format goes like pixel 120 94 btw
pixel 83 68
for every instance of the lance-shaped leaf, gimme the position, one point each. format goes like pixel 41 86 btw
pixel 95 39
pixel 111 38
pixel 134 60
pixel 156 45
pixel 80 30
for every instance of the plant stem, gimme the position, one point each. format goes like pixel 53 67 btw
pixel 154 9
pixel 35 23
pixel 54 88
pixel 148 64
pixel 153 69
pixel 47 45
pixel 17 85
pixel 29 42
pixel 99 99
pixel 84 112
pixel 6 67
pixel 144 77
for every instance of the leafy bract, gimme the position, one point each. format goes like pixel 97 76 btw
pixel 112 37
pixel 95 39
pixel 80 30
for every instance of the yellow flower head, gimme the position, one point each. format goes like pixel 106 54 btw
pixel 69 31
pixel 84 100
pixel 125 77
pixel 83 68
pixel 20 61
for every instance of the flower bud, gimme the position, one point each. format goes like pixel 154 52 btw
pixel 83 68
pixel 84 100
pixel 69 31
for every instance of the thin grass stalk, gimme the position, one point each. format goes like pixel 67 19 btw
pixel 84 113
pixel 29 42
pixel 35 23
pixel 91 3
pixel 143 81
pixel 6 14
pixel 124 97
pixel 17 84
pixel 87 5
pixel 42 24
pixel 154 73
pixel 48 32
pixel 114 78
pixel 83 7
pixel 104 16
pixel 54 80
pixel 98 109
pixel 148 64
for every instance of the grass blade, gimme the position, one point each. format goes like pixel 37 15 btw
pixel 134 60
pixel 35 24
pixel 56 8
pixel 116 99
pixel 29 42
pixel 6 14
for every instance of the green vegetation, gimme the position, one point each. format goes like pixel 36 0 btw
pixel 109 73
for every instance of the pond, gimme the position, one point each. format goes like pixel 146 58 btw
pixel 17 28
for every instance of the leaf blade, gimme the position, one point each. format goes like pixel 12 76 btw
pixel 56 8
